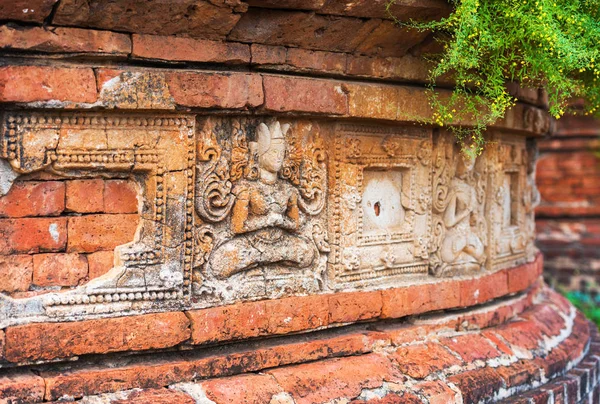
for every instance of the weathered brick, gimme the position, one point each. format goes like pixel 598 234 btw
pixel 291 4
pixel 156 396
pixel 41 83
pixel 32 235
pixel 418 299
pixel 523 276
pixel 479 384
pixel 354 306
pixel 26 10
pixel 100 263
pixel 407 68
pixel 189 49
pixel 62 340
pixel 30 198
pixel 100 232
pixel 335 378
pixel 480 290
pixel 85 196
pixel 66 40
pixel 59 269
pixel 403 10
pixel 316 60
pixel 421 360
pixel 204 19
pixel 216 90
pixel 241 389
pixel 16 272
pixel 436 392
pixel 238 321
pixel 293 94
pixel 120 196
pixel 292 314
pixel 388 39
pixel 303 30
pixel 268 55
pixel 471 347
pixel 21 386
pixel 372 101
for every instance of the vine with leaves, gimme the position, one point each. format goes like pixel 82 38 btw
pixel 553 44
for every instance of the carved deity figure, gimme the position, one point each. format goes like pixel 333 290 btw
pixel 266 216
pixel 461 243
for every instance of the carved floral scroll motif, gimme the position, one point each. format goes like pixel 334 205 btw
pixel 379 204
pixel 260 191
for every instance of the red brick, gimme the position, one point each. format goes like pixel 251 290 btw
pixel 436 392
pixel 418 299
pixel 85 196
pixel 120 196
pixel 523 334
pixel 268 55
pixel 156 396
pixel 32 235
pixel 293 314
pixel 66 40
pixel 241 389
pixel 471 347
pixel 317 60
pixel 388 39
pixel 202 19
pixel 480 290
pixel 421 360
pixel 238 321
pixel 26 10
pixel 21 386
pixel 100 263
pixel 519 373
pixel 189 49
pixel 354 306
pixel 100 232
pixel 477 385
pixel 303 30
pixel 403 397
pixel 59 269
pixel 16 272
pixel 407 68
pixel 40 83
pixel 335 378
pixel 218 90
pixel 372 101
pixel 523 276
pixel 403 10
pixel 62 340
pixel 292 4
pixel 293 94
pixel 33 199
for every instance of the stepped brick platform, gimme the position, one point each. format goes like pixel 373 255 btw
pixel 246 202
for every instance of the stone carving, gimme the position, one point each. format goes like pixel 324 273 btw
pixel 379 214
pixel 156 152
pixel 238 208
pixel 260 198
pixel 459 226
pixel 507 207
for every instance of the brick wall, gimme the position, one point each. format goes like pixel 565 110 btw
pixel 568 218
pixel 59 233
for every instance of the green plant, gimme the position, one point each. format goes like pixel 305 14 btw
pixel 487 43
pixel 587 303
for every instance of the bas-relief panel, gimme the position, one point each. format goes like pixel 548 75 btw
pixel 241 208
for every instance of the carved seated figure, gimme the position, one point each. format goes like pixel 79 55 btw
pixel 461 243
pixel 265 216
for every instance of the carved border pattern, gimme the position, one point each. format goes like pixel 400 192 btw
pixel 66 160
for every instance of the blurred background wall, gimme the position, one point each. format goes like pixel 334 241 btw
pixel 568 217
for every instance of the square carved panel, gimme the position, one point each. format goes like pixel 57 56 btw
pixel 380 203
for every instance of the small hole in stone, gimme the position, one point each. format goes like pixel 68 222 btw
pixel 377 208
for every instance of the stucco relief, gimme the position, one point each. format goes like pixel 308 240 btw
pixel 459 225
pixel 261 193
pixel 239 208
pixel 380 204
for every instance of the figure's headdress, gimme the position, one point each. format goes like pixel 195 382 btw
pixel 267 134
